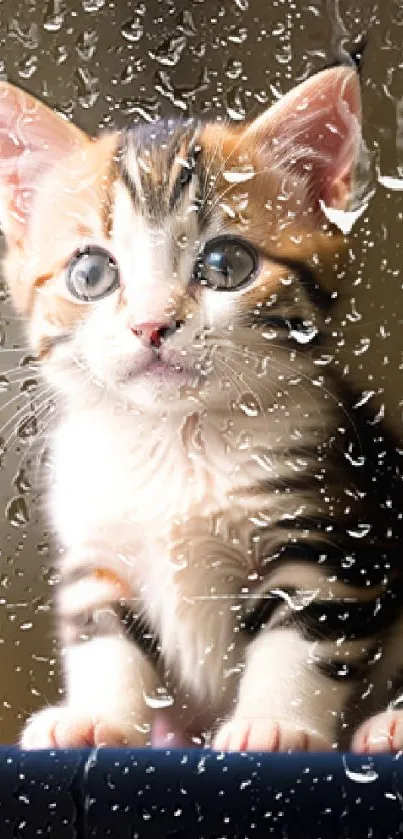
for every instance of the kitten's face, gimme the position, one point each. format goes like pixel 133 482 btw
pixel 152 303
pixel 153 258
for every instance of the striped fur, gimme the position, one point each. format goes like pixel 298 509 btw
pixel 232 525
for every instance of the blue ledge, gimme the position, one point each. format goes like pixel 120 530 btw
pixel 128 794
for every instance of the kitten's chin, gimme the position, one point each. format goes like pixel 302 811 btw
pixel 160 387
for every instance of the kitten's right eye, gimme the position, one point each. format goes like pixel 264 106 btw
pixel 92 273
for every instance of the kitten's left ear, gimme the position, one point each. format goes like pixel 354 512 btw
pixel 315 132
pixel 32 140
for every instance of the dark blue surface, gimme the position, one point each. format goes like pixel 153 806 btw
pixel 128 794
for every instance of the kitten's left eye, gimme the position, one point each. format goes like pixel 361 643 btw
pixel 226 264
pixel 92 273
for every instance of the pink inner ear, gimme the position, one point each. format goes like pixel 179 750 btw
pixel 32 139
pixel 316 129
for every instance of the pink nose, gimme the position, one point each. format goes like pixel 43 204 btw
pixel 152 333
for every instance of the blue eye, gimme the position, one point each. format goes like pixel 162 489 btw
pixel 226 264
pixel 92 273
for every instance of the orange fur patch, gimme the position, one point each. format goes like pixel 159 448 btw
pixel 266 206
pixel 109 576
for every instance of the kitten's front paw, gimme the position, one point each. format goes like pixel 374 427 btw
pixel 61 727
pixel 381 733
pixel 263 734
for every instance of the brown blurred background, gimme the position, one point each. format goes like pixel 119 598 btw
pixel 102 62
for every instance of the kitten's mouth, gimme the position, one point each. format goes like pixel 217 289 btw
pixel 158 368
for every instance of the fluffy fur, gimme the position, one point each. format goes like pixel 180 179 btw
pixel 215 488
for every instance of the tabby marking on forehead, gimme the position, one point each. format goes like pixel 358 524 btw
pixel 157 162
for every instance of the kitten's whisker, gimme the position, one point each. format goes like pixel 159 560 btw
pixel 16 349
pixel 37 438
pixel 9 312
pixel 55 414
pixel 262 383
pixel 250 390
pixel 280 507
pixel 25 413
pixel 329 394
pixel 234 377
pixel 13 399
pixel 248 372
pixel 310 397
pixel 223 366
pixel 14 370
pixel 41 409
pixel 208 185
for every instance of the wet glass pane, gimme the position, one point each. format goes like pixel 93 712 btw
pixel 106 64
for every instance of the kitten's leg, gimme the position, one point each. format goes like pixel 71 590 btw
pixel 380 733
pixel 383 732
pixel 107 677
pixel 285 702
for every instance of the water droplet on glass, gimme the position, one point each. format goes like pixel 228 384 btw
pixel 86 44
pixel 182 94
pixel 366 776
pixel 263 459
pixel 360 531
pixel 133 30
pixel 50 575
pixel 182 240
pixel 169 52
pixel 29 38
pixel 60 54
pixel 358 460
pixel 87 87
pixel 28 66
pixel 245 441
pixel 147 109
pixel 179 563
pixel 17 511
pixel 343 219
pixel 239 174
pixel 28 361
pixel 364 398
pixel 186 23
pixel 297 601
pixel 29 385
pixel 393 183
pixel 28 427
pixel 233 68
pixel 159 699
pixel 93 5
pixel 237 35
pixel 305 335
pixel 234 104
pixel 131 70
pixel 21 482
pixel 248 405
pixel 54 15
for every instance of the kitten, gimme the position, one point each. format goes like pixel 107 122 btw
pixel 230 517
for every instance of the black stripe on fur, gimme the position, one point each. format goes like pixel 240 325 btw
pixel 341 671
pixel 328 620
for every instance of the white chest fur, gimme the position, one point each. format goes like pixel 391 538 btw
pixel 125 483
pixel 117 474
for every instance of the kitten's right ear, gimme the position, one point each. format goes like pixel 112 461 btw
pixel 315 131
pixel 32 139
